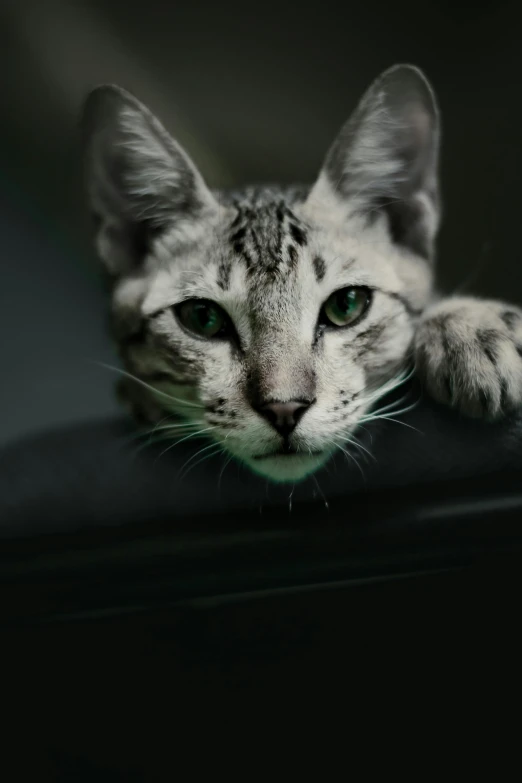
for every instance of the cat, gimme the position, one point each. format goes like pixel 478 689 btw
pixel 270 319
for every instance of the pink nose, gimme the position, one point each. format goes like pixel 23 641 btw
pixel 283 416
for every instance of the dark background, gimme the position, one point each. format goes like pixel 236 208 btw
pixel 256 92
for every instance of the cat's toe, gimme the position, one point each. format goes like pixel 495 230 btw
pixel 469 358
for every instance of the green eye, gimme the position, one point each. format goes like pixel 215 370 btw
pixel 346 306
pixel 202 317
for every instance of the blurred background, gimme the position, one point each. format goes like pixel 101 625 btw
pixel 256 92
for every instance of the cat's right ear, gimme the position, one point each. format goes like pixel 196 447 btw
pixel 140 182
pixel 385 160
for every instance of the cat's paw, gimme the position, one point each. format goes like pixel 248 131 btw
pixel 468 353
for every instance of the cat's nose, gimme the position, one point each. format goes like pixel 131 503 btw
pixel 283 416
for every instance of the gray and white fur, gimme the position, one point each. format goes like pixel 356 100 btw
pixel 288 391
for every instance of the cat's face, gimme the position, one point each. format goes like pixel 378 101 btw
pixel 268 319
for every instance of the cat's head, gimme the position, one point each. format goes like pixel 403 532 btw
pixel 272 318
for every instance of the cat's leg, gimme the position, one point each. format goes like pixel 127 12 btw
pixel 468 353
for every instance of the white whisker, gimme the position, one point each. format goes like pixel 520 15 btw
pixel 182 473
pixel 320 492
pixel 187 437
pixel 389 386
pixel 290 499
pixel 359 445
pixel 174 427
pixel 351 456
pixel 148 386
pixel 151 441
pixel 396 421
pixel 227 462
pixel 154 435
pixel 373 415
pixel 390 405
pixel 366 430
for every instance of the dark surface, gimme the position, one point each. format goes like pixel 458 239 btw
pixel 136 608
pixel 110 528
pixel 105 474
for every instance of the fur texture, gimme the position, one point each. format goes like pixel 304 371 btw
pixel 271 257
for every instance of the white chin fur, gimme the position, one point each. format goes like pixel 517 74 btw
pixel 286 469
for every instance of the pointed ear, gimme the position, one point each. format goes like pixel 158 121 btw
pixel 385 158
pixel 139 180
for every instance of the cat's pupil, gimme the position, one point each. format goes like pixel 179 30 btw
pixel 348 301
pixel 206 317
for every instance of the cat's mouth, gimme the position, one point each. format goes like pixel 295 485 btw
pixel 287 464
pixel 288 452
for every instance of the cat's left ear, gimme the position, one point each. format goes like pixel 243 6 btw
pixel 385 159
pixel 140 182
